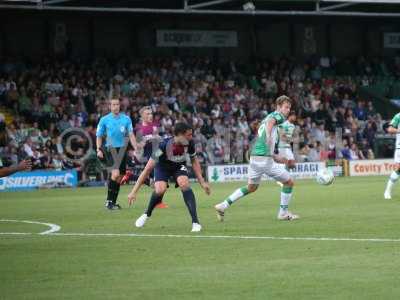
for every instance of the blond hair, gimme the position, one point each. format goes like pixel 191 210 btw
pixel 143 109
pixel 282 99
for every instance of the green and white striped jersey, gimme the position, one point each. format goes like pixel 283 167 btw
pixel 261 147
pixel 396 123
pixel 286 131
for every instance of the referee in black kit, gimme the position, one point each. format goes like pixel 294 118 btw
pixel 116 126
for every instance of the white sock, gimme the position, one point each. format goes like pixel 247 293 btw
pixel 286 195
pixel 236 195
pixel 392 179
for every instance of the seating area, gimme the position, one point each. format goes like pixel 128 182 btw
pixel 223 102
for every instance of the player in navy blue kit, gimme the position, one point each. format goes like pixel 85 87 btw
pixel 169 162
pixel 117 127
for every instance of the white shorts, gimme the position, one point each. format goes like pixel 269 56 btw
pixel 397 156
pixel 260 165
pixel 286 153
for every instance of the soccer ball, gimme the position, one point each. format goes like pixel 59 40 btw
pixel 325 177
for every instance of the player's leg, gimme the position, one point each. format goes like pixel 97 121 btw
pixel 113 190
pixel 282 175
pixel 160 204
pixel 286 196
pixel 190 200
pixel 114 182
pixel 150 180
pixel 160 186
pixel 394 176
pixel 255 173
pixel 288 154
pixel 282 152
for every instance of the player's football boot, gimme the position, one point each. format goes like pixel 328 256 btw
pixel 220 212
pixel 196 227
pixel 141 221
pixel 117 206
pixel 387 195
pixel 162 205
pixel 112 206
pixel 287 216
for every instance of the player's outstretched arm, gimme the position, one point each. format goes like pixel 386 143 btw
pixel 197 171
pixel 139 182
pixel 24 165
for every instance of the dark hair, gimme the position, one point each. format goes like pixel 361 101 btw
pixel 181 128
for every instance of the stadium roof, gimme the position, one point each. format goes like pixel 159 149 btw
pixel 362 8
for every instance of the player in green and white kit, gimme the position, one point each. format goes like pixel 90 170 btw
pixel 394 128
pixel 263 160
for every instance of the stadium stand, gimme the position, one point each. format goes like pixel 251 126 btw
pixel 224 103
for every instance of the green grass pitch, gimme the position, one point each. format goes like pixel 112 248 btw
pixel 182 266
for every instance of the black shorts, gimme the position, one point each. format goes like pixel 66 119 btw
pixel 109 160
pixel 162 173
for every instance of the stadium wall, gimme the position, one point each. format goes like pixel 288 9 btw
pixel 33 33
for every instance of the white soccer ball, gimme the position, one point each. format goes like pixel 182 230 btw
pixel 325 177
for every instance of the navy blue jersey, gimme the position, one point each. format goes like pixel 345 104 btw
pixel 172 155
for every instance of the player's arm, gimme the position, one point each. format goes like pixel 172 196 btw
pixel 139 182
pixel 197 168
pixel 197 171
pixel 99 138
pixel 392 129
pixel 24 165
pixel 394 125
pixel 99 143
pixel 132 137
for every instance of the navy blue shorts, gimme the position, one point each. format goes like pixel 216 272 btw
pixel 162 173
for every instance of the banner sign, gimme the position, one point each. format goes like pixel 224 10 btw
pixel 226 173
pixel 391 40
pixel 337 170
pixel 196 38
pixel 371 167
pixel 22 181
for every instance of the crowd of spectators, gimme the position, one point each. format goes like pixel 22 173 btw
pixel 223 103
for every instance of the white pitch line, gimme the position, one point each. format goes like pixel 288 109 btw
pixel 238 237
pixel 53 227
pixel 53 231
pixel 16 233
